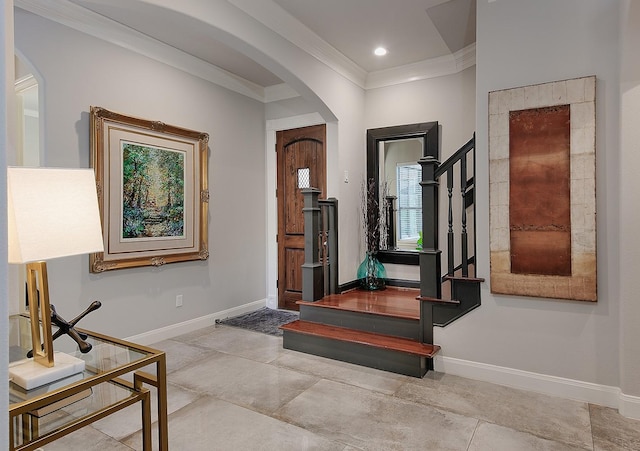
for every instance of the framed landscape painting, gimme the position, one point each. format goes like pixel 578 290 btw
pixel 152 191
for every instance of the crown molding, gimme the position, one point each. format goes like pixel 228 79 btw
pixel 26 82
pixel 278 92
pixel 88 22
pixel 422 70
pixel 271 15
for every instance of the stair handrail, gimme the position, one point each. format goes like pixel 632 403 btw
pixel 453 159
pixel 467 192
pixel 430 254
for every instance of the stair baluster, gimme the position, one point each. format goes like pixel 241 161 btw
pixel 450 236
pixel 464 239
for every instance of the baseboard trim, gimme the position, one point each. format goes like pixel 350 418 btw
pixel 402 283
pixel 173 330
pixel 629 406
pixel 390 282
pixel 348 286
pixel 603 395
pixel 272 302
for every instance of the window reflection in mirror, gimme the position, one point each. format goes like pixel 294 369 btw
pixel 401 173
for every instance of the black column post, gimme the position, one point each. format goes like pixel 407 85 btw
pixel 430 272
pixel 312 277
pixel 391 222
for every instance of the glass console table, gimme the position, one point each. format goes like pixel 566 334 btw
pixel 113 379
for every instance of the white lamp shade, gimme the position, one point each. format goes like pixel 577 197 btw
pixel 52 213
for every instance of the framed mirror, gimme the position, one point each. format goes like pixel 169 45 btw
pixel 392 162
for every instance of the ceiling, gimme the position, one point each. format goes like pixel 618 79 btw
pixel 413 31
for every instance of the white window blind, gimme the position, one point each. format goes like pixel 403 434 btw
pixel 409 201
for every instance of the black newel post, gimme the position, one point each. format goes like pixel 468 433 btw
pixel 391 222
pixel 430 271
pixel 329 214
pixel 312 277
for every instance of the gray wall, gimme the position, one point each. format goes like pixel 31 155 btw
pixel 450 100
pixel 80 71
pixel 520 42
pixel 629 212
pixel 6 69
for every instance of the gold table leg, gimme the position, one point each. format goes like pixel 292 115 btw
pixel 146 420
pixel 159 381
pixel 163 426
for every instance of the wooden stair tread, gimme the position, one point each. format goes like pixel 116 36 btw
pixel 464 279
pixel 365 338
pixel 393 302
pixel 438 300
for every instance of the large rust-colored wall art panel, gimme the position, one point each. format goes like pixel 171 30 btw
pixel 542 190
pixel 539 201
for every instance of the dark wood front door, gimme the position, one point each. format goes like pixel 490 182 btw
pixel 301 163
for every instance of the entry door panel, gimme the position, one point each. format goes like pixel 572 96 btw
pixel 301 163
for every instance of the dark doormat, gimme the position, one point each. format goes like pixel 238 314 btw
pixel 265 320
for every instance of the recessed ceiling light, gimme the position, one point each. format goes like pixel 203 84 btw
pixel 380 51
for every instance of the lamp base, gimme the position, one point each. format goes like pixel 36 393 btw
pixel 29 374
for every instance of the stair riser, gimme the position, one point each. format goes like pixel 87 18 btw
pixel 380 324
pixel 359 354
pixel 468 293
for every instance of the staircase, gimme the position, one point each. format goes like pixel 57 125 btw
pixel 378 329
pixel 392 329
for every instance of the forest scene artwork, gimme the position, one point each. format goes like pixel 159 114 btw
pixel 153 192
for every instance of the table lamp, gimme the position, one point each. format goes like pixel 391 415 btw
pixel 52 212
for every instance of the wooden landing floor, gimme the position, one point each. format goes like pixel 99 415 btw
pixel 392 301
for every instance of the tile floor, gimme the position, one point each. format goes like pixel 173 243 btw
pixel 231 389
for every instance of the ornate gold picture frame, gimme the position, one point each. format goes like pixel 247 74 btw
pixel 152 182
pixel 542 190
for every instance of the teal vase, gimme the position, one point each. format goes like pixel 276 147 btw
pixel 371 273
